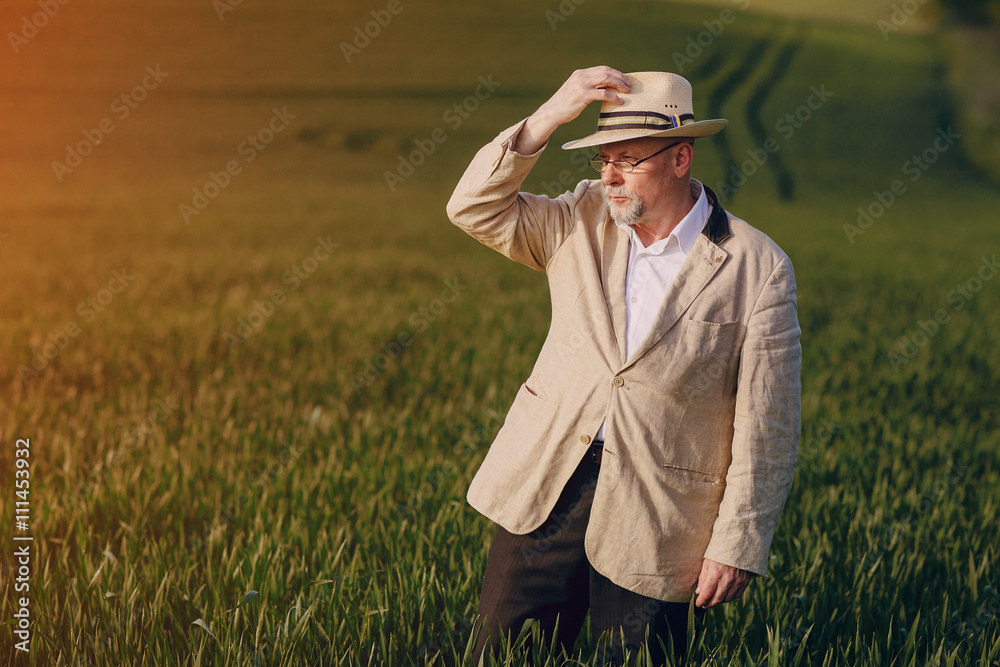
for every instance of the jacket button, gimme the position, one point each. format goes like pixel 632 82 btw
pixel 585 439
pixel 618 381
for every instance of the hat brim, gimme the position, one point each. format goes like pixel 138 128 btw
pixel 700 128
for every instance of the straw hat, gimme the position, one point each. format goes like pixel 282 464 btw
pixel 658 104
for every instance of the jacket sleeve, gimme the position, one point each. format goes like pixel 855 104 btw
pixel 766 428
pixel 488 206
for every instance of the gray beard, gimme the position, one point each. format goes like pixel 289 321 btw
pixel 628 215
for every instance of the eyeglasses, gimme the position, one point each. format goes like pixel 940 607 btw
pixel 624 166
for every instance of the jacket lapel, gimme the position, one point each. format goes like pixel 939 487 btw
pixel 614 261
pixel 702 263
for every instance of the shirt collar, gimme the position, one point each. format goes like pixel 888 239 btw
pixel 687 230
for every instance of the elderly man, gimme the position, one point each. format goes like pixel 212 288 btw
pixel 645 461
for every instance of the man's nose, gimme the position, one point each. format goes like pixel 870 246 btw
pixel 611 176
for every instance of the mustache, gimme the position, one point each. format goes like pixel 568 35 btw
pixel 618 191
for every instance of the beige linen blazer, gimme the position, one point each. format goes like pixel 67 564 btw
pixel 702 422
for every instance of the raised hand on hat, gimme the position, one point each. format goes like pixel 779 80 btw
pixel 580 89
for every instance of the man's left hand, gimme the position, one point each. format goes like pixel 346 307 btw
pixel 720 583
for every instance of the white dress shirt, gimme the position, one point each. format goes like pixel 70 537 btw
pixel 652 269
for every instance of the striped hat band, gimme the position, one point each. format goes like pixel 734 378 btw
pixel 657 105
pixel 641 120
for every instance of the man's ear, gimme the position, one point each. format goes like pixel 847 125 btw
pixel 683 159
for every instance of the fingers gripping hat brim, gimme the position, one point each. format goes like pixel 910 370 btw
pixel 658 104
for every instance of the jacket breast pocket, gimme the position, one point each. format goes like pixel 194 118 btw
pixel 710 339
pixel 706 358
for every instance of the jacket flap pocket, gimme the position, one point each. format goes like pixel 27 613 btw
pixel 695 475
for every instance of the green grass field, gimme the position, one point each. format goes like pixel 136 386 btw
pixel 223 422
